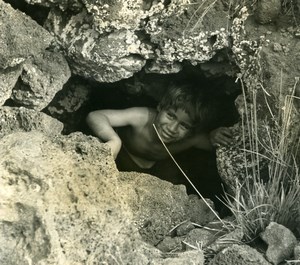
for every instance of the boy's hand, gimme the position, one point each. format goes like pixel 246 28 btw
pixel 115 146
pixel 220 136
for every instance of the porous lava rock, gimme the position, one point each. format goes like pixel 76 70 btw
pixel 15 50
pixel 64 202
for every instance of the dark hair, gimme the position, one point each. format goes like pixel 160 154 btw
pixel 192 100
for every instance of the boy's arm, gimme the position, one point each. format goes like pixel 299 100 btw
pixel 205 141
pixel 217 137
pixel 102 123
pixel 201 141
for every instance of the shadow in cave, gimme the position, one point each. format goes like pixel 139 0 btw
pixel 38 13
pixel 146 90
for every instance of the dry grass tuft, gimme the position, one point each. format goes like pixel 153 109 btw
pixel 275 195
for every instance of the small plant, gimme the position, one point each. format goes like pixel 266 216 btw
pixel 275 194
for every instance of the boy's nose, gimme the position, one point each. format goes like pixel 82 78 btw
pixel 173 127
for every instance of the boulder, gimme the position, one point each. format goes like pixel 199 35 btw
pixel 113 41
pixel 15 49
pixel 64 202
pixel 105 58
pixel 267 11
pixel 15 119
pixel 239 255
pixel 41 78
pixel 74 5
pixel 297 252
pixel 8 79
pixel 281 242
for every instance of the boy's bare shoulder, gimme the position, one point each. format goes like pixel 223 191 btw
pixel 140 115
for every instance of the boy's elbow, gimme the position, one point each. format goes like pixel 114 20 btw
pixel 91 119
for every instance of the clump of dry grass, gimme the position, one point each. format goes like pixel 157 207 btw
pixel 274 197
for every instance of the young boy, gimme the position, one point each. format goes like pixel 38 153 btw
pixel 179 120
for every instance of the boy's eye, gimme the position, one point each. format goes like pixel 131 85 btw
pixel 185 126
pixel 170 115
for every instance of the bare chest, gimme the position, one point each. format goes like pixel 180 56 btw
pixel 142 143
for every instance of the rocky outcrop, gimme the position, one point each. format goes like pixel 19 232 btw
pixel 21 119
pixel 62 199
pixel 239 255
pixel 107 58
pixel 16 50
pixel 281 243
pixel 74 5
pixel 113 41
pixel 8 79
pixel 29 74
pixel 268 11
pixel 64 202
pixel 41 78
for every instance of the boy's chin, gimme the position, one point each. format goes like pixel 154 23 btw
pixel 169 141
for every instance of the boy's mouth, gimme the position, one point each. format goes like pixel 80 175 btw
pixel 166 136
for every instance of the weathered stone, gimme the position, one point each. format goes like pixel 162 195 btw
pixel 239 255
pixel 108 43
pixel 64 202
pixel 184 228
pixel 163 68
pixel 281 242
pixel 156 212
pixel 106 58
pixel 71 98
pixel 8 79
pixel 68 104
pixel 42 77
pixel 116 15
pixel 267 10
pixel 169 244
pixel 297 252
pixel 74 5
pixel 187 32
pixel 200 212
pixel 231 160
pixel 15 50
pixel 195 257
pixel 21 119
pixel 227 240
pixel 198 238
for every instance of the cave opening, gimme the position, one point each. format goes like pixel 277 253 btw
pixel 145 90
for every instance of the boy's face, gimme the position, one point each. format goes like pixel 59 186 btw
pixel 173 125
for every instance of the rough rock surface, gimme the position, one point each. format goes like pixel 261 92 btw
pixel 107 58
pixel 239 255
pixel 73 5
pixel 21 119
pixel 69 103
pixel 15 50
pixel 110 51
pixel 8 79
pixel 63 200
pixel 297 252
pixel 62 205
pixel 231 160
pixel 281 242
pixel 41 78
pixel 267 11
pixel 158 212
